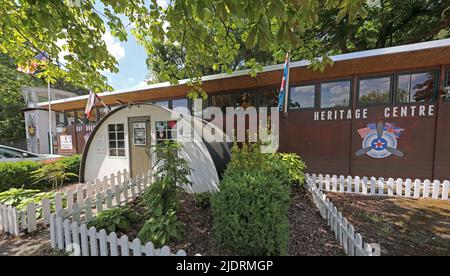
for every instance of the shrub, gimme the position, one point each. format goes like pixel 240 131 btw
pixel 295 165
pixel 171 174
pixel 161 229
pixel 73 166
pixel 153 198
pixel 250 210
pixel 17 174
pixel 55 173
pixel 20 174
pixel 118 218
pixel 203 200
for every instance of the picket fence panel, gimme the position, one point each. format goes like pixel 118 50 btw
pixel 123 193
pixel 381 187
pixel 14 221
pixel 80 241
pixel 344 232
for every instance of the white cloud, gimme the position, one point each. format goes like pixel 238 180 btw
pixel 114 46
pixel 130 79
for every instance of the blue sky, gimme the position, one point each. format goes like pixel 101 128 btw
pixel 130 56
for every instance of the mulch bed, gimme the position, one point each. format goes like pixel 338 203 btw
pixel 309 234
pixel 401 226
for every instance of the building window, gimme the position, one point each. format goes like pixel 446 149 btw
pixel 166 131
pixel 244 99
pixel 163 104
pixel 92 118
pixel 447 86
pixel 116 139
pixel 374 91
pixel 180 105
pixel 302 97
pixel 335 94
pixel 102 111
pixel 221 101
pixel 268 97
pixel 419 87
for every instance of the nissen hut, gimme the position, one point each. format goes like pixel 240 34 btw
pixel 383 113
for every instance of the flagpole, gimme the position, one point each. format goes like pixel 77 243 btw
pixel 50 116
pixel 286 93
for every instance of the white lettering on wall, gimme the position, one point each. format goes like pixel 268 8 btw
pixel 362 113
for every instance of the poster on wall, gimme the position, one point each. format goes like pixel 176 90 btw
pixel 139 134
pixel 65 142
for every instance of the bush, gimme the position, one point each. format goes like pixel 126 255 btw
pixel 295 165
pixel 203 200
pixel 55 173
pixel 17 174
pixel 161 229
pixel 20 174
pixel 118 218
pixel 73 166
pixel 250 210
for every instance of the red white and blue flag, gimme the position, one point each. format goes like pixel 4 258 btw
pixel 92 101
pixel 284 85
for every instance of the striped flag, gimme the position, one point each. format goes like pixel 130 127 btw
pixel 93 99
pixel 282 97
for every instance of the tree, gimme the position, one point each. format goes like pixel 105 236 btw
pixel 395 22
pixel 204 29
pixel 12 122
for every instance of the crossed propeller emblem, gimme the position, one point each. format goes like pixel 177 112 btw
pixel 380 143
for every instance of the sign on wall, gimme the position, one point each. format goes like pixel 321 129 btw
pixel 139 134
pixel 65 142
pixel 380 140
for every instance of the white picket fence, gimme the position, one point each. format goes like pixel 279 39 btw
pixel 344 232
pixel 81 241
pixel 85 210
pixel 120 185
pixel 381 187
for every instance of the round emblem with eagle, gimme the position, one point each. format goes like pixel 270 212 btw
pixel 380 143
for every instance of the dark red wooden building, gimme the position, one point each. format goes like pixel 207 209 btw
pixel 333 115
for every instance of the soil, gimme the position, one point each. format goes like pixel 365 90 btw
pixel 309 233
pixel 402 227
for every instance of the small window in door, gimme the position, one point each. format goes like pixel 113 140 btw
pixel 116 140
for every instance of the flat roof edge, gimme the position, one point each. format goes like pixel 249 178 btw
pixel 350 56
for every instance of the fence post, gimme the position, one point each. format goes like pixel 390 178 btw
pixel 364 185
pixel 408 187
pixel 31 217
pixel 436 188
pixel 426 188
pixel 445 189
pixel 92 233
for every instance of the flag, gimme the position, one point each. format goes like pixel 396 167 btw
pixel 93 99
pixel 31 67
pixel 284 85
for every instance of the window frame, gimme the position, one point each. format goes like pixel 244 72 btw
pixel 316 92
pixel 391 92
pixel 319 94
pixel 116 140
pixel 446 83
pixel 420 71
